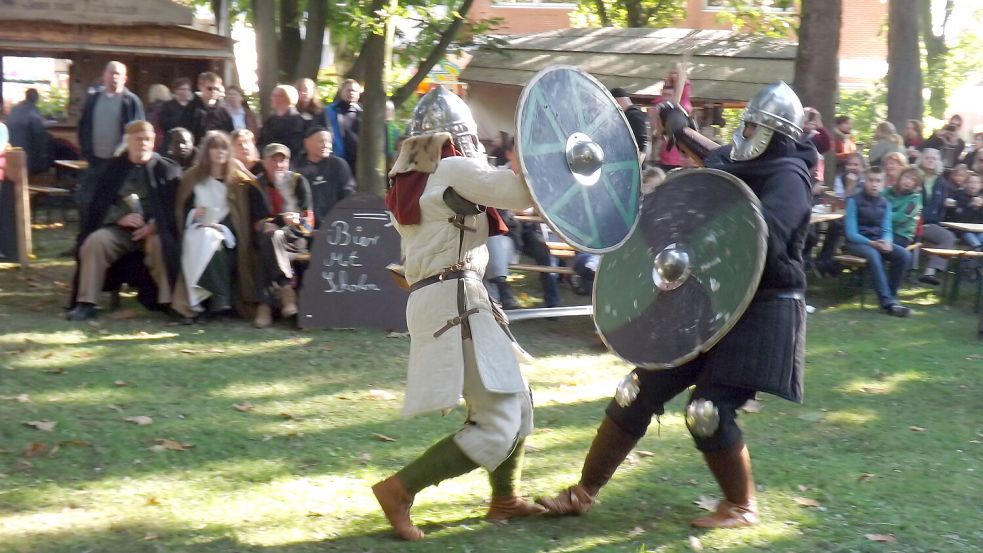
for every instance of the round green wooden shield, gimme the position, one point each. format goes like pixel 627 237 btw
pixel 686 274
pixel 577 153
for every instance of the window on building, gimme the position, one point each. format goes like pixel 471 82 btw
pixel 769 5
pixel 549 3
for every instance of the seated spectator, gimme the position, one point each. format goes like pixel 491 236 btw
pixel 240 112
pixel 975 152
pixel 957 178
pixel 585 266
pixel 843 143
pixel 328 175
pixel 969 209
pixel 501 249
pixel 308 105
pixel 887 140
pixel 285 124
pixel 905 199
pixel 132 210
pixel 26 127
pixel 869 235
pixel 244 149
pixel 651 178
pixel 282 217
pixel 214 225
pixel 934 192
pixel 851 179
pixel 178 112
pixel 181 147
pixel 815 132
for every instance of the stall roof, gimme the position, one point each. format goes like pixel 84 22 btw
pixel 98 12
pixel 59 39
pixel 725 66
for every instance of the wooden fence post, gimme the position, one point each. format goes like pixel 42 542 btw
pixel 17 174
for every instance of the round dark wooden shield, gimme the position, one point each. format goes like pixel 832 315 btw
pixel 579 157
pixel 686 274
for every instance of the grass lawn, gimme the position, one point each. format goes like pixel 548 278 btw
pixel 247 441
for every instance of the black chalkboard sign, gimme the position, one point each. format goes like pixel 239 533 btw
pixel 8 226
pixel 347 284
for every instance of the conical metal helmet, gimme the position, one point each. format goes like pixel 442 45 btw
pixel 440 110
pixel 775 108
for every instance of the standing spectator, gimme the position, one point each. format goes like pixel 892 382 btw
pixel 215 228
pixel 905 199
pixel 913 137
pixel 975 152
pixel 869 235
pixel 107 112
pixel 670 158
pixel 888 140
pixel 308 104
pixel 245 151
pixel 343 117
pixel 282 216
pixel 329 177
pixel 132 210
pixel 285 125
pixel 815 132
pixel 843 144
pixel 946 140
pixel 178 112
pixel 26 127
pixel 210 112
pixel 157 97
pixel 934 192
pixel 969 209
pixel 637 120
pixel 240 112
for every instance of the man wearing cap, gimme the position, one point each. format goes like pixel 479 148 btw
pixel 330 177
pixel 282 216
pixel 132 210
pixel 637 120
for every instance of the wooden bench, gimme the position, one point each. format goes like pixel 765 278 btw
pixel 49 198
pixel 857 266
pixel 541 269
pixel 953 272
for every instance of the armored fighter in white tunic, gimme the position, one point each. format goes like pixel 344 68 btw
pixel 442 199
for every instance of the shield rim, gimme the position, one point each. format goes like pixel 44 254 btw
pixel 523 98
pixel 741 306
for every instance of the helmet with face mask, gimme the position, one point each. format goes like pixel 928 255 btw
pixel 774 109
pixel 443 111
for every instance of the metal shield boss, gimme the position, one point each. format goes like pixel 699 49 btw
pixel 685 276
pixel 579 158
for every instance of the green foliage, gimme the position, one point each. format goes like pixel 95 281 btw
pixel 866 109
pixel 631 13
pixel 53 104
pixel 771 18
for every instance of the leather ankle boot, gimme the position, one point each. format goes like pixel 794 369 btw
pixel 610 447
pixel 503 509
pixel 264 316
pixel 732 469
pixel 396 501
pixel 288 301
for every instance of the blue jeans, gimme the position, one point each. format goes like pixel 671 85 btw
pixel 973 240
pixel 885 285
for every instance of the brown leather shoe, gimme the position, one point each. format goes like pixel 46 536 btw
pixel 264 316
pixel 396 501
pixel 575 500
pixel 288 301
pixel 503 509
pixel 729 515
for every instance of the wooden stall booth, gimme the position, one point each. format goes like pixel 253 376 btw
pixel 154 38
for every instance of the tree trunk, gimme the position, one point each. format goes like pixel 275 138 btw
pixel 602 13
pixel 904 71
pixel 817 66
pixel 310 50
pixel 264 17
pixel 403 93
pixel 936 53
pixel 371 164
pixel 635 16
pixel 289 39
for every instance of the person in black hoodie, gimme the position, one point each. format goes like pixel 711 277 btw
pixel 177 112
pixel 209 109
pixel 763 352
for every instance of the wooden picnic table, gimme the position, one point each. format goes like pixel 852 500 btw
pixel 964 227
pixel 817 218
pixel 73 164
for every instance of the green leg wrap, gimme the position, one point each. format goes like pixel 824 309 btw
pixel 443 460
pixel 505 479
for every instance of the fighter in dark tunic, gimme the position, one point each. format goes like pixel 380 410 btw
pixel 763 352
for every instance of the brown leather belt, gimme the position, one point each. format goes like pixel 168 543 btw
pixel 442 277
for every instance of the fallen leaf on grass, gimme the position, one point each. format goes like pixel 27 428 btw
pixel 164 444
pixel 123 314
pixel 54 451
pixel 636 531
pixel 883 538
pixel 695 544
pixel 364 459
pixel 752 406
pixel 803 488
pixel 140 420
pixel 805 502
pixel 34 449
pixel 642 453
pixel 243 407
pixel 706 503
pixel 327 347
pixel 189 351
pixel 22 398
pixel 314 514
pixel 290 417
pixel 43 425
pixel 216 350
pixel 59 370
pixel 151 537
pixel 153 501
pixel 382 437
pixel 381 394
pixel 76 442
pixel 865 477
pixel 916 429
pixel 121 383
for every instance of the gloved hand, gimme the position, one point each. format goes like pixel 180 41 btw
pixel 673 119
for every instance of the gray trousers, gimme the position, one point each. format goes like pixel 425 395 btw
pixel 103 247
pixel 939 237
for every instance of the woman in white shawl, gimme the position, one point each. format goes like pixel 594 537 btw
pixel 212 210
